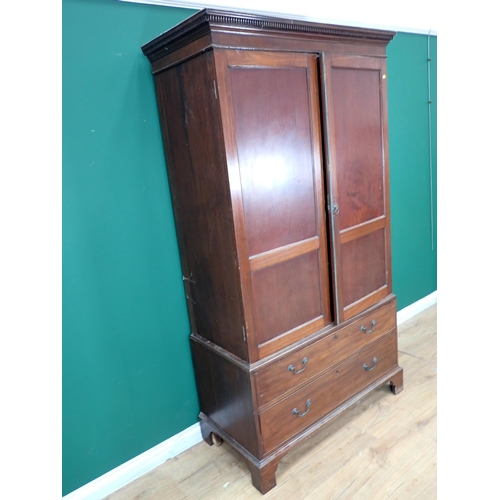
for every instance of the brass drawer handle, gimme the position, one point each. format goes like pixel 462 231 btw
pixel 364 330
pixel 291 368
pixel 365 366
pixel 297 412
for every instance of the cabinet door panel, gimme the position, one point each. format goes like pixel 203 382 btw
pixel 271 116
pixel 294 283
pixel 363 265
pixel 358 145
pixel 275 154
pixel 358 180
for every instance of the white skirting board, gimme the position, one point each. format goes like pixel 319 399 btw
pixel 417 307
pixel 143 463
pixel 147 461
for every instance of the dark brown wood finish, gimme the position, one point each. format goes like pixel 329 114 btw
pixel 284 283
pixel 318 398
pixel 355 90
pixel 275 150
pixel 269 126
pixel 202 201
pixel 238 27
pixel 263 470
pixel 363 265
pixel 291 372
pixel 225 395
pixel 273 146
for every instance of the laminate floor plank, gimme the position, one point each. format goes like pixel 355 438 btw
pixel 384 447
pixel 155 485
pixel 417 336
pixel 318 469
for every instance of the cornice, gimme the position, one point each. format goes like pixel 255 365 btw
pixel 211 20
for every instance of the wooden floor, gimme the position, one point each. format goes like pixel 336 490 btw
pixel 383 448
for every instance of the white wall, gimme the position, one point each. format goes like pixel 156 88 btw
pixel 413 17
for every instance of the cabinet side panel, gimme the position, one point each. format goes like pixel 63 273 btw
pixel 225 395
pixel 190 119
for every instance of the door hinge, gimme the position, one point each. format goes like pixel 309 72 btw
pixel 215 90
pixel 244 334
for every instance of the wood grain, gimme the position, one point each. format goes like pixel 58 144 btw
pixel 313 401
pixel 358 149
pixel 274 146
pixel 287 252
pixel 225 395
pixel 254 138
pixel 363 266
pixel 274 157
pixel 362 229
pixel 201 201
pixel 355 102
pixel 384 447
pixel 365 302
pixel 277 379
pixel 243 30
pixel 286 297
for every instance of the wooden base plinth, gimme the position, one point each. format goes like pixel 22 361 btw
pixel 263 471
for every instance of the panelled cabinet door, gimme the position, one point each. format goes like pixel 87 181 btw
pixel 355 93
pixel 271 122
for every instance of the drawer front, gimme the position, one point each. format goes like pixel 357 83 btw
pixel 294 370
pixel 318 398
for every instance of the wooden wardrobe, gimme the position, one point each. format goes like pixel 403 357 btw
pixel 275 135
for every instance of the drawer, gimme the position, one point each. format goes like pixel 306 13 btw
pixel 321 396
pixel 294 370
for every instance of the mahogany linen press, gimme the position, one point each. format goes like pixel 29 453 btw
pixel 275 135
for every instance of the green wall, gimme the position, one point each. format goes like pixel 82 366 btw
pixel 128 382
pixel 414 246
pixel 127 375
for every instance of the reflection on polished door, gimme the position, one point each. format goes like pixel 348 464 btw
pixel 275 164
